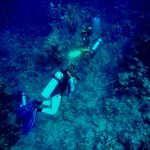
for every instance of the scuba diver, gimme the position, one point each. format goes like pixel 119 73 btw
pixel 62 84
pixel 86 32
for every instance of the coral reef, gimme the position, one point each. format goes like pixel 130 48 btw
pixel 110 108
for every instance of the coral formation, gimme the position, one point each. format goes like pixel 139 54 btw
pixel 110 108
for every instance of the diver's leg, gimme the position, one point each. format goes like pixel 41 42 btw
pixel 47 103
pixel 56 100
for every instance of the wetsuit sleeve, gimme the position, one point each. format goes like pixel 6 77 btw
pixel 71 84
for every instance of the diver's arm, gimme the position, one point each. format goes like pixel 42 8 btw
pixel 71 83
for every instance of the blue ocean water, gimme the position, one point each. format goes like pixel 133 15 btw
pixel 107 44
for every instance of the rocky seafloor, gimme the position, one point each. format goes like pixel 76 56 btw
pixel 110 107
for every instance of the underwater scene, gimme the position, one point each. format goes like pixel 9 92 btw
pixel 74 75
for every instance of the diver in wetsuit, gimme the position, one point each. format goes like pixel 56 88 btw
pixel 64 82
pixel 27 110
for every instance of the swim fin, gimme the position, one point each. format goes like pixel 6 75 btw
pixel 27 114
pixel 29 121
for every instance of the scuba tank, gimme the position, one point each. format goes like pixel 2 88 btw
pixel 51 86
pixel 95 47
pixel 23 99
